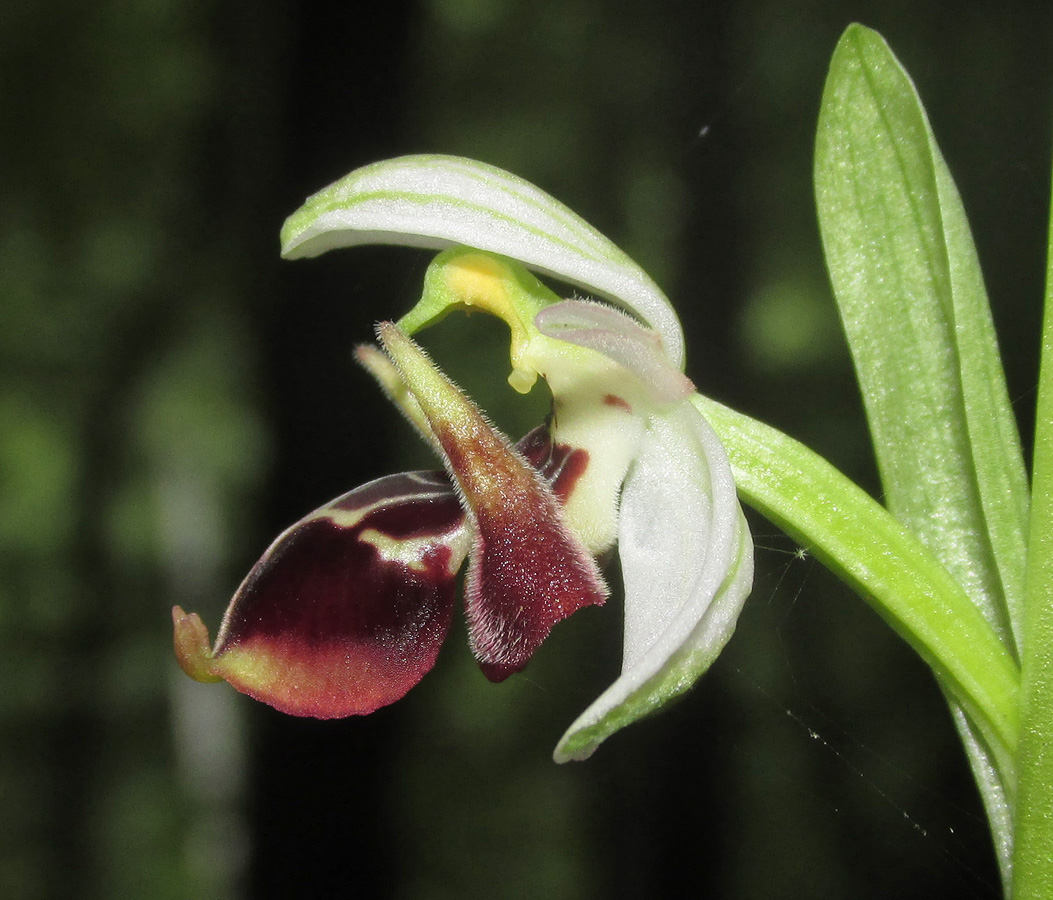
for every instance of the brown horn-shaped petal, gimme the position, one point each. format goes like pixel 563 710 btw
pixel 347 609
pixel 527 571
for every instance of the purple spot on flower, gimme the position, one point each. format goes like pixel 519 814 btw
pixel 617 402
pixel 559 464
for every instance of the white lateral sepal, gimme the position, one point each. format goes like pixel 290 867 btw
pixel 687 564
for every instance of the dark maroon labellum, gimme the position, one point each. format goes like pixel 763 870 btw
pixel 347 610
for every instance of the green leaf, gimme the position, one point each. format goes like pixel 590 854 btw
pixel 912 299
pixel 1032 867
pixel 914 308
pixel 865 546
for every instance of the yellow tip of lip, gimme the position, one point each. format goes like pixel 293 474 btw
pixel 192 646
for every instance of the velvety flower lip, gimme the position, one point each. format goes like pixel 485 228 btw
pixel 347 609
pixel 526 569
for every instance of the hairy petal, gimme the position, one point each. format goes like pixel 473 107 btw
pixel 527 570
pixel 620 338
pixel 687 561
pixel 347 609
pixel 438 201
pixel 387 375
pixel 598 405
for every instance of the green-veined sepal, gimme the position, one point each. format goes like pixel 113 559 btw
pixel 437 201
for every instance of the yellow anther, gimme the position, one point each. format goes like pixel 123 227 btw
pixel 479 281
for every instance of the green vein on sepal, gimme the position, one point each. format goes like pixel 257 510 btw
pixel 437 201
pixel 338 195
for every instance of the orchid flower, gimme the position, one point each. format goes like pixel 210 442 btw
pixel 347 609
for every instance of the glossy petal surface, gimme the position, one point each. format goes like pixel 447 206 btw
pixel 347 610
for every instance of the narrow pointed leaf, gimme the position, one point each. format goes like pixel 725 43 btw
pixel 687 564
pixel 912 300
pixel 993 791
pixel 437 201
pixel 1032 872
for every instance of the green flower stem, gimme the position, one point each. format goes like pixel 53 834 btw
pixel 860 541
pixel 1033 861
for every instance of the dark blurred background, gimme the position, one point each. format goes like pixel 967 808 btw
pixel 172 395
